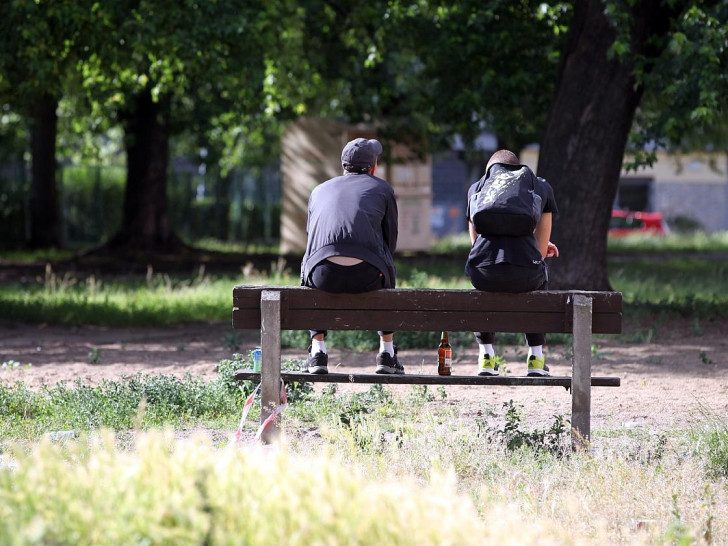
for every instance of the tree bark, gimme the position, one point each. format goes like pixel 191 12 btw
pixel 45 206
pixel 586 134
pixel 145 223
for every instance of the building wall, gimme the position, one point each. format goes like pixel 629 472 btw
pixel 312 154
pixel 450 183
pixel 705 204
pixel 308 158
pixel 693 186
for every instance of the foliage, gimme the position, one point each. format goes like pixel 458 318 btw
pixel 553 441
pixel 688 243
pixel 91 195
pixel 140 400
pixel 692 242
pixel 38 42
pixel 135 401
pixel 710 441
pixel 679 286
pixel 93 492
pixel 683 107
pixel 668 287
pixel 413 455
pixel 508 54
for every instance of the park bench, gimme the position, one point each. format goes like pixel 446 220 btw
pixel 582 313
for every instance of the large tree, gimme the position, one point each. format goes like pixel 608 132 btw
pixel 156 65
pixel 631 76
pixel 38 44
pixel 673 52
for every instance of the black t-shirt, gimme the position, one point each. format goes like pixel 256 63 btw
pixel 522 250
pixel 352 215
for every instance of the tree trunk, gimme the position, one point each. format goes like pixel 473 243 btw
pixel 145 223
pixel 45 206
pixel 586 134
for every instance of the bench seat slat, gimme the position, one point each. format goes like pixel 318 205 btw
pixel 450 321
pixel 418 321
pixel 406 299
pixel 427 310
pixel 419 379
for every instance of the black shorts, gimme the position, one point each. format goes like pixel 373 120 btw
pixel 345 279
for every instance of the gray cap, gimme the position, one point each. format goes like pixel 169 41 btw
pixel 360 154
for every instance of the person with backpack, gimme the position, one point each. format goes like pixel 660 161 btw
pixel 510 211
pixel 352 235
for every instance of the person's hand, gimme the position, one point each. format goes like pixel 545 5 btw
pixel 552 251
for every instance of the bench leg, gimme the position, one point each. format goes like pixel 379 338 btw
pixel 270 371
pixel 581 373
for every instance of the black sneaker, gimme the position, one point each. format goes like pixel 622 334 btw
pixel 389 364
pixel 318 363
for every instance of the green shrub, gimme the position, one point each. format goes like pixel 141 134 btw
pixel 710 441
pixel 162 491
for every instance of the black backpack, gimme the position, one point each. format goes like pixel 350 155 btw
pixel 505 202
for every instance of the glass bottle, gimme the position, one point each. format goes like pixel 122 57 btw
pixel 444 356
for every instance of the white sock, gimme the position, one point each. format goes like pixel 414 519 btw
pixel 536 350
pixel 318 346
pixel 386 346
pixel 485 349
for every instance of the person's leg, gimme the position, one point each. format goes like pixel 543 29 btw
pixel 318 358
pixel 536 363
pixel 486 354
pixel 535 359
pixel 386 343
pixel 362 278
pixel 355 279
pixel 387 361
pixel 505 277
pixel 318 342
pixel 323 277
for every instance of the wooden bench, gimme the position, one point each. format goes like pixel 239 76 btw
pixel 272 309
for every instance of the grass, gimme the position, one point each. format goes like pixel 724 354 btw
pixel 379 469
pixel 680 286
pixel 693 242
pixel 674 287
pixel 139 401
pixel 366 467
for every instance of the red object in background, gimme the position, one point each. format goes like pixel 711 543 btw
pixel 624 222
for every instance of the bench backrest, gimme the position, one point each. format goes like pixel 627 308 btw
pixel 416 309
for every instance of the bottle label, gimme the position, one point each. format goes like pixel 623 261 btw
pixel 448 357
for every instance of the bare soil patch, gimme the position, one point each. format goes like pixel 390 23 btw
pixel 666 382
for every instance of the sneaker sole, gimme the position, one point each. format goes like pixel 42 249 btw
pixel 538 373
pixel 318 370
pixel 488 373
pixel 386 370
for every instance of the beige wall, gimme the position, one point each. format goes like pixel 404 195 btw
pixel 306 161
pixel 689 168
pixel 670 169
pixel 311 154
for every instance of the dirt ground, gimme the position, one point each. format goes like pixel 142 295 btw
pixel 667 383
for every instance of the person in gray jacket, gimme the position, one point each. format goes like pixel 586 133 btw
pixel 352 235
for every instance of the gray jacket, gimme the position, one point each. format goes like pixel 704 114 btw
pixel 352 215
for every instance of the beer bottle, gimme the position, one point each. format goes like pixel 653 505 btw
pixel 444 356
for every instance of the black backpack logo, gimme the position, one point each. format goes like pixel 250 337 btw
pixel 505 202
